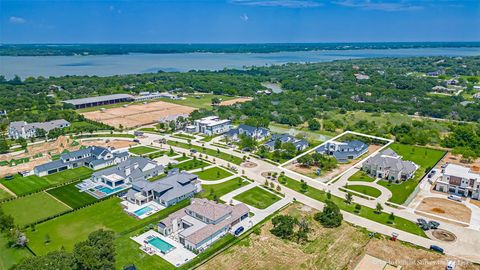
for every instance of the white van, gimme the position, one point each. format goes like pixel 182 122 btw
pixel 455 198
pixel 450 265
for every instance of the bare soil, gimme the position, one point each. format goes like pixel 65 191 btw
pixel 445 208
pixel 138 114
pixel 249 164
pixel 456 159
pixel 115 143
pixel 443 235
pixel 235 100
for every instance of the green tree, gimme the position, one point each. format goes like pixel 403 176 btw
pixel 97 252
pixel 283 226
pixel 378 208
pixel 348 198
pixel 331 216
pixel 305 160
pixel 313 124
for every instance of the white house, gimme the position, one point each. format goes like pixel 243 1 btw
pixel 211 125
pixel 22 129
pixel 459 180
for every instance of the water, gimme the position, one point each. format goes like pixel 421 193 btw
pixel 163 246
pixel 106 65
pixel 109 191
pixel 142 211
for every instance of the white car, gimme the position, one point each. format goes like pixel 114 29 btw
pixel 455 198
pixel 450 265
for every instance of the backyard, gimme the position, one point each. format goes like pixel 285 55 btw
pixel 71 196
pixel 257 197
pixel 32 208
pixel 214 173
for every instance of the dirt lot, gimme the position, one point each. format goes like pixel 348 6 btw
pixel 445 208
pixel 327 176
pixel 115 143
pixel 450 158
pixel 138 114
pixel 236 100
pixel 338 248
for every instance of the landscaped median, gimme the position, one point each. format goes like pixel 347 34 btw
pixel 208 151
pixel 367 190
pixel 365 212
pixel 361 176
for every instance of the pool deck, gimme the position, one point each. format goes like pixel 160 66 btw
pixel 178 256
pixel 131 208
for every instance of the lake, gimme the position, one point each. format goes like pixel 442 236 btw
pixel 106 65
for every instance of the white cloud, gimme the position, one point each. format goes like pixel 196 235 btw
pixel 244 17
pixel 279 3
pixel 17 20
pixel 379 5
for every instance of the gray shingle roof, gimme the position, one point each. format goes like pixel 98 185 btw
pixel 80 101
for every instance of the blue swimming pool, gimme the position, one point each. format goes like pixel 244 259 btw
pixel 161 245
pixel 108 190
pixel 142 211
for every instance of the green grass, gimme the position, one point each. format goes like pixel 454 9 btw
pixel 182 158
pixel 4 194
pixel 210 152
pixel 80 173
pixel 183 136
pixel 71 196
pixel 370 191
pixel 25 185
pixel 11 256
pixel 204 102
pixel 214 173
pixel 257 197
pixel 366 212
pixel 105 135
pixel 361 176
pixel 32 208
pixel 191 165
pixel 142 150
pixel 426 158
pixel 218 190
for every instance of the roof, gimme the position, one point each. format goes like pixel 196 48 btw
pixel 390 160
pixel 135 168
pixel 47 126
pixel 209 209
pixel 80 101
pixel 460 171
pixel 249 130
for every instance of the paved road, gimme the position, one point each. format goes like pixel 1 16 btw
pixel 466 245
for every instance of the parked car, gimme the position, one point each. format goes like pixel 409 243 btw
pixel 193 151
pixel 433 224
pixel 436 248
pixel 455 198
pixel 421 221
pixel 136 140
pixel 450 265
pixel 239 230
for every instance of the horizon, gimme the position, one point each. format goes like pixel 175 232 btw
pixel 244 43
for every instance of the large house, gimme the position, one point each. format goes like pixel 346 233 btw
pixel 210 125
pixel 203 222
pixel 258 133
pixel 459 180
pixel 300 145
pixel 389 166
pixel 22 129
pixel 343 151
pixel 93 157
pixel 171 189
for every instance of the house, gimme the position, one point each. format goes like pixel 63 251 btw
pixel 22 129
pixel 343 151
pixel 459 180
pixel 360 76
pixel 442 89
pixel 142 96
pixel 93 157
pixel 167 191
pixel 452 82
pixel 286 138
pixel 99 101
pixel 211 125
pixel 203 222
pixel 434 73
pixel 390 166
pixel 258 133
pixel 476 87
pixel 476 96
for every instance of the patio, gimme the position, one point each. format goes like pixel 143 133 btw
pixel 141 211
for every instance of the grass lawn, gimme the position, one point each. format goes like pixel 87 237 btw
pixel 257 197
pixel 11 256
pixel 4 194
pixel 218 190
pixel 119 135
pixel 24 185
pixel 210 152
pixel 32 208
pixel 71 196
pixel 191 165
pixel 426 158
pixel 366 212
pixel 184 136
pixel 182 158
pixel 214 173
pixel 80 173
pixel 370 191
pixel 361 176
pixel 142 150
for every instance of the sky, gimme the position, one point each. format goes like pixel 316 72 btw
pixel 237 21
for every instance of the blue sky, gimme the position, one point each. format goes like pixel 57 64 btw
pixel 241 21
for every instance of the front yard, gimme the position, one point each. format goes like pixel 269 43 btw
pixel 257 197
pixel 361 177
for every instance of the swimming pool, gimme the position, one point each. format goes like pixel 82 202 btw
pixel 142 211
pixel 108 190
pixel 161 245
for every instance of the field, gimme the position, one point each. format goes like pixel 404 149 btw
pixel 31 208
pixel 204 101
pixel 446 208
pixel 370 191
pixel 366 212
pixel 137 114
pixel 235 101
pixel 4 194
pixel 208 151
pixel 257 197
pixel 79 173
pixel 142 150
pixel 426 158
pixel 218 190
pixel 361 176
pixel 191 165
pixel 71 196
pixel 9 256
pixel 214 173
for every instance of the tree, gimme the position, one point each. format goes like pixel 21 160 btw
pixel 331 216
pixel 215 101
pixel 6 221
pixel 97 252
pixel 22 142
pixel 40 133
pixel 348 198
pixel 391 217
pixel 289 150
pixel 329 195
pixel 3 145
pixel 53 260
pixel 313 124
pixel 172 125
pixel 378 208
pixel 277 145
pixel 283 226
pixel 304 186
pixel 358 207
pixel 305 160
